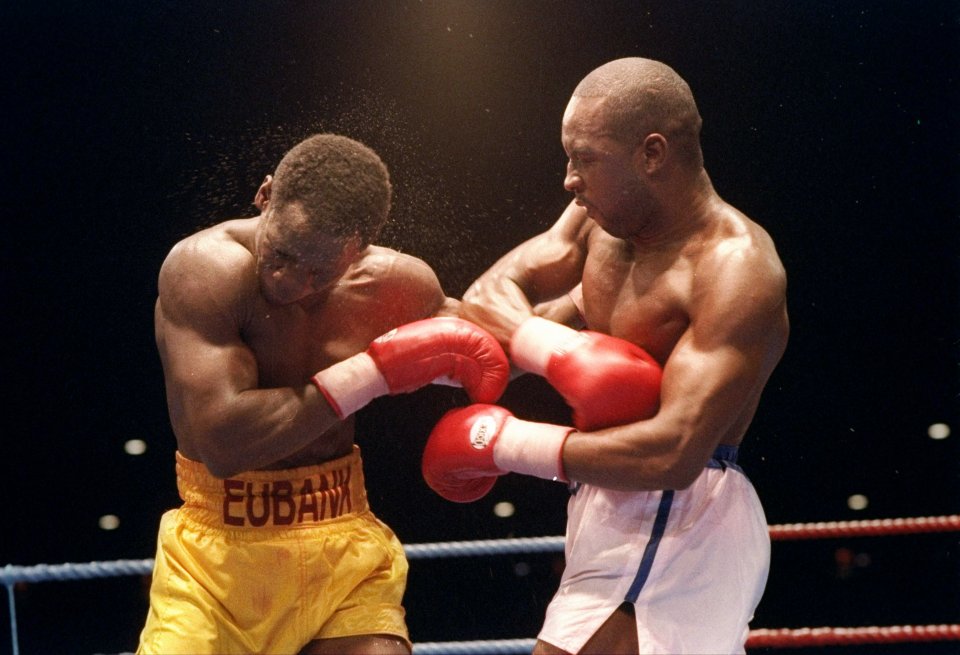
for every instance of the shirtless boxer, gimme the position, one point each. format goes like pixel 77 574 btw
pixel 667 549
pixel 269 331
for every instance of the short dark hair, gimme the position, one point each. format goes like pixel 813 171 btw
pixel 341 184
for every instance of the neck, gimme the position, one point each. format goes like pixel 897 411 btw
pixel 681 209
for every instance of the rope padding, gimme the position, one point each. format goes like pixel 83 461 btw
pixel 787 637
pixel 487 647
pixel 872 528
pixel 779 638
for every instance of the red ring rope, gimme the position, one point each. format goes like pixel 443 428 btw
pixel 864 528
pixel 827 636
pixel 787 637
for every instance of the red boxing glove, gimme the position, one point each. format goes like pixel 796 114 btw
pixel 470 446
pixel 415 355
pixel 607 381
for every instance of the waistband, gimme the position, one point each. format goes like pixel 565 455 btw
pixel 283 499
pixel 724 457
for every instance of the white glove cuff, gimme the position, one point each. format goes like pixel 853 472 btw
pixel 351 384
pixel 535 342
pixel 531 448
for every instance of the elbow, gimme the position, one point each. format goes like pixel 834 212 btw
pixel 221 469
pixel 681 467
pixel 222 463
pixel 474 295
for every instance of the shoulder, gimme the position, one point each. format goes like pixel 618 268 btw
pixel 209 268
pixel 742 254
pixel 397 279
pixel 739 280
pixel 384 268
pixel 574 225
pixel 211 249
pixel 388 264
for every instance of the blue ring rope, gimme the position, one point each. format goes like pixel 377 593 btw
pixel 492 646
pixel 11 574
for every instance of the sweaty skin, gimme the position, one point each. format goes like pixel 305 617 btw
pixel 666 264
pixel 248 311
pixel 238 367
pixel 663 262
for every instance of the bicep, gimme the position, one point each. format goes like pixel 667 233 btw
pixel 206 363
pixel 713 378
pixel 703 389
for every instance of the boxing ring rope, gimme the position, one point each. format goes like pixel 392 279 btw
pixel 11 575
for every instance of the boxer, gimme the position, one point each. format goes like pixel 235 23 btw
pixel 273 331
pixel 684 302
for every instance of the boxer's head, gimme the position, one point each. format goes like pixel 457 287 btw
pixel 630 125
pixel 328 200
pixel 642 97
pixel 341 185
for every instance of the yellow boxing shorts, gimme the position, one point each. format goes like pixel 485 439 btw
pixel 270 560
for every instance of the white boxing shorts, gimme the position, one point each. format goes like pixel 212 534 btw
pixel 693 563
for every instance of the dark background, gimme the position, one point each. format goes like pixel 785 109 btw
pixel 128 125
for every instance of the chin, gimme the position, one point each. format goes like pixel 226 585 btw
pixel 613 230
pixel 600 220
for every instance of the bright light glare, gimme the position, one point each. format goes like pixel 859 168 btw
pixel 135 447
pixel 109 522
pixel 857 502
pixel 504 509
pixel 939 431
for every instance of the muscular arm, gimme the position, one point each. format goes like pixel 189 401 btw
pixel 220 412
pixel 533 278
pixel 710 387
pixel 566 309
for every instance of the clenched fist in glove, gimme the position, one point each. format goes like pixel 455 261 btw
pixel 415 355
pixel 606 381
pixel 470 446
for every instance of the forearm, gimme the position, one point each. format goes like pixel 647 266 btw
pixel 564 310
pixel 524 281
pixel 259 427
pixel 497 303
pixel 669 450
pixel 642 456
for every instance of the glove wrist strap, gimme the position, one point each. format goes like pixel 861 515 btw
pixel 536 341
pixel 531 448
pixel 351 384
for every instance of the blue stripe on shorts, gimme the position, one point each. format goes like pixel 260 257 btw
pixel 724 457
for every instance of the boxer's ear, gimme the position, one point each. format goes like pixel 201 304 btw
pixel 262 198
pixel 651 153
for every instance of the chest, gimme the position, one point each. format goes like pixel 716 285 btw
pixel 643 299
pixel 291 343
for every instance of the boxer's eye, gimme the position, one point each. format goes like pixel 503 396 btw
pixel 276 259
